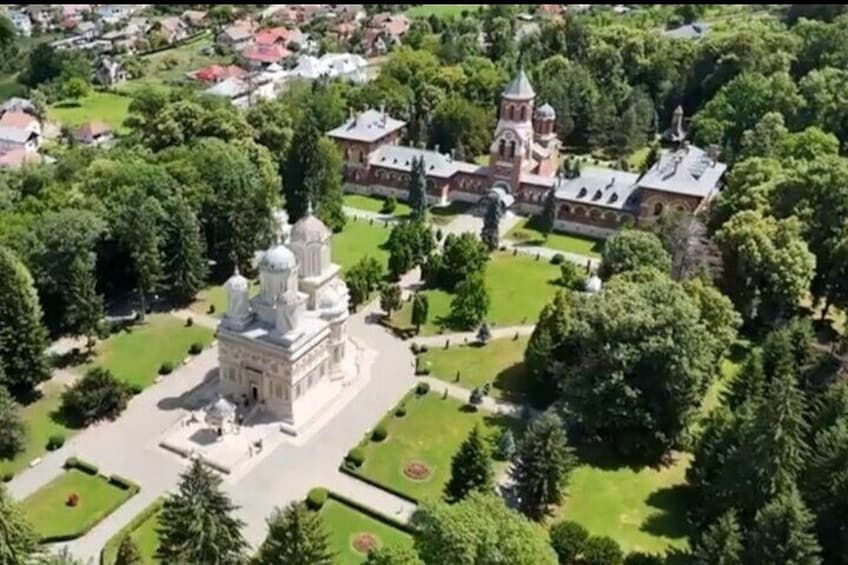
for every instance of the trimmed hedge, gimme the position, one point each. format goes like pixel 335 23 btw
pixel 370 512
pixel 166 368
pixel 124 483
pixel 380 433
pixel 55 441
pixel 422 388
pixel 356 456
pixel 316 498
pixel 84 466
pixel 8 476
pixel 558 259
pixel 400 411
pixel 195 348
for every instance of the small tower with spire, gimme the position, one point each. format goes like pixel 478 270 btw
pixel 510 151
pixel 675 134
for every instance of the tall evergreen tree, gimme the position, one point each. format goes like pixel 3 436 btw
pixel 22 337
pixel 417 189
pixel 18 541
pixel 84 305
pixel 420 310
pixel 12 429
pixel 390 298
pixel 392 555
pixel 128 553
pixel 196 525
pixel 542 465
pixel 296 536
pixel 826 488
pixel 539 357
pixel 720 544
pixel 294 171
pixel 548 217
pixel 490 234
pixel 186 254
pixel 782 533
pixel 471 468
pixel 324 180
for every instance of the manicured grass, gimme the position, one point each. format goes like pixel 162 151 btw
pixel 358 239
pixel 642 509
pixel 48 512
pixel 430 433
pixel 40 426
pixel 500 362
pixel 135 356
pixel 526 233
pixel 142 530
pixel 374 204
pixel 172 64
pixel 519 287
pixel 443 215
pixel 441 10
pixel 344 523
pixel 102 106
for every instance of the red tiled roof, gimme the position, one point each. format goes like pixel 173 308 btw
pixel 17 119
pixel 266 54
pixel 17 157
pixel 215 73
pixel 277 35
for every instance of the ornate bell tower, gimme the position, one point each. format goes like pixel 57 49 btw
pixel 513 142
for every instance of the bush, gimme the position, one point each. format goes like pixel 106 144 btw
pixel 7 476
pixel 439 234
pixel 389 205
pixel 96 396
pixel 189 322
pixel 316 498
pixel 558 259
pixel 422 388
pixel 211 309
pixel 195 348
pixel 380 433
pixel 415 349
pixel 136 388
pixel 568 540
pixel 55 441
pixel 122 483
pixel 400 411
pixel 166 368
pixel 639 558
pixel 84 466
pixel 600 550
pixel 423 349
pixel 356 456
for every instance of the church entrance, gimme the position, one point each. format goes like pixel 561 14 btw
pixel 254 392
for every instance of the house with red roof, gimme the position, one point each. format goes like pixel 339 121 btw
pixel 217 73
pixel 265 54
pixel 279 35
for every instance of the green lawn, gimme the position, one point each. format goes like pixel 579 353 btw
pixel 429 433
pixel 526 233
pixel 358 239
pixel 519 287
pixel 135 356
pixel 344 523
pixel 48 512
pixel 172 64
pixel 642 509
pixel 40 426
pixel 374 204
pixel 102 106
pixel 443 215
pixel 142 530
pixel 500 362
pixel 440 10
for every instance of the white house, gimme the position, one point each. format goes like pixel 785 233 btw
pixel 331 65
pixel 21 22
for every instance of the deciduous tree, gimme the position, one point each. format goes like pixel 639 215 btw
pixel 471 302
pixel 185 252
pixel 12 429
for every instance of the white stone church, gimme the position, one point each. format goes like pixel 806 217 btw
pixel 286 350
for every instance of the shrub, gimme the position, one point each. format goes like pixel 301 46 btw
pixel 423 349
pixel 639 558
pixel 84 466
pixel 600 550
pixel 379 433
pixel 189 322
pixel 7 476
pixel 73 500
pixel 415 349
pixel 439 234
pixel 568 540
pixel 136 388
pixel 55 441
pixel 122 483
pixel 422 367
pixel 558 259
pixel 476 397
pixel 422 388
pixel 356 456
pixel 316 498
pixel 400 411
pixel 166 368
pixel 195 348
pixel 211 309
pixel 389 205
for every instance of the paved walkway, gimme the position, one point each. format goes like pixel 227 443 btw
pixel 548 252
pixel 470 337
pixel 368 215
pixel 463 394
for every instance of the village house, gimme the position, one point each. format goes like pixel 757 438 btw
pixel 173 29
pixel 236 36
pixel 92 133
pixel 523 169
pixel 109 72
pixel 21 22
pixel 331 65
pixel 214 74
pixel 195 19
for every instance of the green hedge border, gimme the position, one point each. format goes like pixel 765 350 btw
pixel 137 520
pixel 115 480
pixel 370 512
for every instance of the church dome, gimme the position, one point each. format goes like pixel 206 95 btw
pixel 278 258
pixel 309 229
pixel 545 112
pixel 237 282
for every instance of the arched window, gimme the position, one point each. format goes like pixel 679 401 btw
pixel 509 112
pixel 523 113
pixel 658 208
pixel 512 149
pixel 501 145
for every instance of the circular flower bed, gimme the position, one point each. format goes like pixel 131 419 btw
pixel 363 543
pixel 417 471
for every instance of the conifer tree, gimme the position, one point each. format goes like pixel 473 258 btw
pixel 782 533
pixel 18 542
pixel 539 356
pixel 548 217
pixel 196 525
pixel 304 145
pixel 296 536
pixel 420 310
pixel 542 465
pixel 23 339
pixel 471 468
pixel 12 429
pixel 720 544
pixel 390 298
pixel 185 252
pixel 84 305
pixel 417 190
pixel 506 446
pixel 826 488
pixel 490 234
pixel 392 555
pixel 128 553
